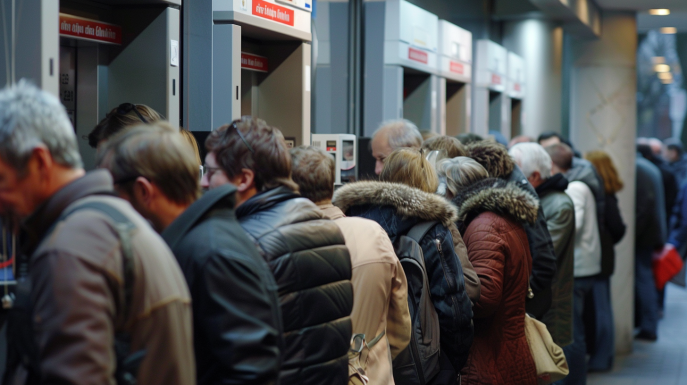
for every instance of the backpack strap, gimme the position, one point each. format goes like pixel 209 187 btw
pixel 421 229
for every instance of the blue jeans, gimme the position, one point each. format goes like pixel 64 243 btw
pixel 646 294
pixel 576 353
pixel 602 357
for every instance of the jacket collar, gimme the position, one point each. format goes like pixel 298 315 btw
pixel 265 200
pixel 332 212
pixel 221 196
pixel 497 196
pixel 406 200
pixel 34 227
pixel 557 182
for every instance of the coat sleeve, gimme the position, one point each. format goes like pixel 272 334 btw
pixel 678 234
pixel 488 258
pixel 398 325
pixel 239 322
pixel 543 256
pixel 472 285
pixel 73 320
pixel 614 221
pixel 561 226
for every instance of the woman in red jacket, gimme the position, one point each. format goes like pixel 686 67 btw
pixel 490 217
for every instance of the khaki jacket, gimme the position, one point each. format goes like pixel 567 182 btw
pixel 77 292
pixel 380 292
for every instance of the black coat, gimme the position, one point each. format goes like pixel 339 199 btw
pixel 236 316
pixel 310 262
pixel 613 233
pixel 397 208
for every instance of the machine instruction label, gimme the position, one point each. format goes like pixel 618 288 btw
pixel 253 62
pixel 417 55
pixel 495 79
pixel 273 12
pixel 457 68
pixel 87 29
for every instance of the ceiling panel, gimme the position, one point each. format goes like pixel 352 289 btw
pixel 646 22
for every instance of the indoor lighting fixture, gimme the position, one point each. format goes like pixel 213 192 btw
pixel 662 68
pixel 659 12
pixel 665 76
pixel 658 59
pixel 668 30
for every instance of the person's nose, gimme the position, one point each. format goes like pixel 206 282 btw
pixel 379 165
pixel 204 181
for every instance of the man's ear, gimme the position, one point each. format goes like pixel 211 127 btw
pixel 42 161
pixel 245 180
pixel 143 191
pixel 535 176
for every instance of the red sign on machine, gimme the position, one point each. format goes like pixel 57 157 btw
pixel 417 55
pixel 495 79
pixel 273 12
pixel 516 87
pixel 253 62
pixel 457 68
pixel 87 29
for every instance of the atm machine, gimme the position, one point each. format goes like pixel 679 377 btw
pixel 344 149
pixel 516 93
pixel 455 70
pixel 248 57
pixel 491 105
pixel 114 52
pixel 400 75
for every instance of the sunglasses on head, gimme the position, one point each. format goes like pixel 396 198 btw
pixel 125 108
pixel 235 126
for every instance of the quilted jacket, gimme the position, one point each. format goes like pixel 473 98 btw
pixel 312 268
pixel 397 208
pixel 490 214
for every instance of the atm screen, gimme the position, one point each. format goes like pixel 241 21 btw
pixel 347 161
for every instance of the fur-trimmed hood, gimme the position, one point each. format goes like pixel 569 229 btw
pixel 407 201
pixel 493 156
pixel 498 196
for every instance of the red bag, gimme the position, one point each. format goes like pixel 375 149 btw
pixel 666 265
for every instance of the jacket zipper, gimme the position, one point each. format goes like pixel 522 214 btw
pixel 449 281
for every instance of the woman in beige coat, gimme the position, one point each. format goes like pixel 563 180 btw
pixel 380 305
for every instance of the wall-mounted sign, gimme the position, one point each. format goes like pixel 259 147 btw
pixel 273 12
pixel 87 29
pixel 495 79
pixel 418 55
pixel 458 68
pixel 253 62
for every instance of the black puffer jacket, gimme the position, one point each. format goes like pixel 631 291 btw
pixel 236 318
pixel 397 208
pixel 311 265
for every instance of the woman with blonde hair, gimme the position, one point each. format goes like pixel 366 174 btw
pixel 602 357
pixel 491 214
pixel 404 200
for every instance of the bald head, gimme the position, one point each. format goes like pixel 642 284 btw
pixel 393 135
pixel 562 156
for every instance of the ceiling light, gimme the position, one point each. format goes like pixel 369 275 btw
pixel 658 59
pixel 665 76
pixel 669 30
pixel 659 12
pixel 662 68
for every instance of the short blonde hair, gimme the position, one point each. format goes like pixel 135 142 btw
pixel 409 166
pixel 460 172
pixel 156 152
pixel 604 165
pixel 451 145
pixel 192 141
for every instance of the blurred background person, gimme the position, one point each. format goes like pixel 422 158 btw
pixel 191 140
pixel 520 139
pixel 674 154
pixel 603 350
pixel 559 212
pixel 380 291
pixel 403 198
pixel 490 216
pixel 124 115
pixel 450 146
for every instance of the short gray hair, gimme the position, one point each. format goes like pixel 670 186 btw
pixel 401 133
pixel 313 170
pixel 29 118
pixel 460 172
pixel 532 157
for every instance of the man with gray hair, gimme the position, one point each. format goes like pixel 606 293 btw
pixel 559 211
pixel 92 267
pixel 392 135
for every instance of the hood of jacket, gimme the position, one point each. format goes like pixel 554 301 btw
pixel 497 196
pixel 407 201
pixel 494 157
pixel 557 182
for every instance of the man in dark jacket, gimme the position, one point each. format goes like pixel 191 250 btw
pixel 560 221
pixel 674 154
pixel 670 185
pixel 306 252
pixel 494 157
pixel 236 316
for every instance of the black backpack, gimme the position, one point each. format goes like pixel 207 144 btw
pixel 419 362
pixel 22 349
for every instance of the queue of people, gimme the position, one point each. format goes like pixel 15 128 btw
pixel 253 269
